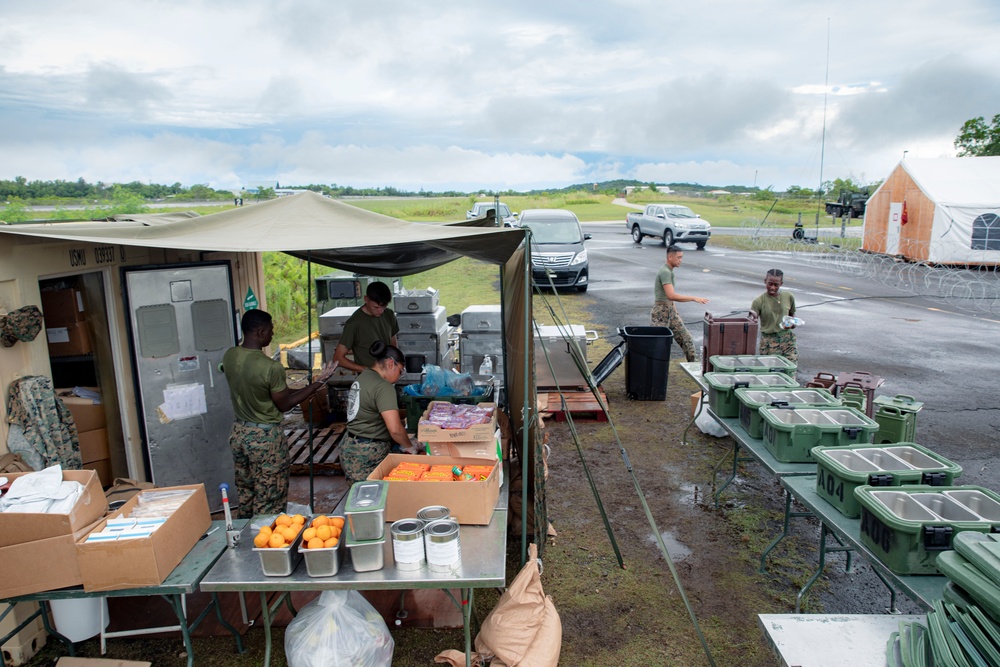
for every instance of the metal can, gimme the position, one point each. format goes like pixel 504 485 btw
pixel 408 544
pixel 433 513
pixel 444 551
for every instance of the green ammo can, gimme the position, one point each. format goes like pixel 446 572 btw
pixel 791 433
pixel 897 418
pixel 751 400
pixel 907 527
pixel 840 470
pixel 721 386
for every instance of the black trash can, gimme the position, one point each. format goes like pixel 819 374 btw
pixel 647 361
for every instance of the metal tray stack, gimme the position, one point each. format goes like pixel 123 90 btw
pixel 751 400
pixel 790 434
pixel 840 470
pixel 909 526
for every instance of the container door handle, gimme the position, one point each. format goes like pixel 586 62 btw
pixel 879 480
pixel 937 538
pixel 933 479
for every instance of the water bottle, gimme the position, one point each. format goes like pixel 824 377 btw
pixel 486 368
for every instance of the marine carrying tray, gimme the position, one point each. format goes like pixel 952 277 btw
pixel 751 400
pixel 908 527
pixel 790 433
pixel 752 363
pixel 721 386
pixel 840 470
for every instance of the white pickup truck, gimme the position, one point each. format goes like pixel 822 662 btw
pixel 670 222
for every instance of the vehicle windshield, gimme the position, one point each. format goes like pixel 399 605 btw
pixel 481 210
pixel 681 212
pixel 554 231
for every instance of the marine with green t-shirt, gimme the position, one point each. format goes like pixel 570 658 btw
pixel 664 314
pixel 772 307
pixel 371 322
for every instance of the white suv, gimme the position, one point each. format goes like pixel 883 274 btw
pixel 480 208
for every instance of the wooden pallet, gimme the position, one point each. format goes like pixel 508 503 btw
pixel 580 404
pixel 326 448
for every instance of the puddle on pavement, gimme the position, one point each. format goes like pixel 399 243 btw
pixel 677 550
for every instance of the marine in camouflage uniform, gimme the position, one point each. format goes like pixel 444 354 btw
pixel 260 457
pixel 664 314
pixel 772 306
pixel 781 343
pixel 360 456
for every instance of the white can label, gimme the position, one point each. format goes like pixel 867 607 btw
pixel 408 551
pixel 444 553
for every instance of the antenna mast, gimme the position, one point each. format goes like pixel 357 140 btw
pixel 822 150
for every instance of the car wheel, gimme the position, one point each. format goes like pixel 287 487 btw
pixel 581 288
pixel 636 234
pixel 701 245
pixel 668 238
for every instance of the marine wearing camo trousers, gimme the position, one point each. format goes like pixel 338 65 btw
pixel 665 315
pixel 360 456
pixel 781 343
pixel 260 454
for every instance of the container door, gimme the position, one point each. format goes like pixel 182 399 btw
pixel 181 322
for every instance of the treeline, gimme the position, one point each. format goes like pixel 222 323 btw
pixel 32 191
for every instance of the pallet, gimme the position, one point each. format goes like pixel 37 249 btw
pixel 581 405
pixel 326 449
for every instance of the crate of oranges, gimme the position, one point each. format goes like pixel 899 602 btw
pixel 321 545
pixel 276 545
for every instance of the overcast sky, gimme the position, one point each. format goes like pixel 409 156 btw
pixel 467 95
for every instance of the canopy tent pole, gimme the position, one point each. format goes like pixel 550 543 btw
pixel 309 357
pixel 526 418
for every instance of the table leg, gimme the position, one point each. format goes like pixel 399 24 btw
pixel 265 613
pixel 823 551
pixel 732 476
pixel 466 617
pixel 892 592
pixel 694 418
pixel 222 621
pixel 51 629
pixel 789 514
pixel 178 607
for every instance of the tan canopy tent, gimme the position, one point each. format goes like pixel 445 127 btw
pixel 334 234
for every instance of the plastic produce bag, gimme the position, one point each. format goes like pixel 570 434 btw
pixel 439 382
pixel 338 629
pixel 707 425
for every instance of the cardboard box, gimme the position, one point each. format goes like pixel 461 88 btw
pixel 695 400
pixel 87 415
pixel 103 469
pixel 477 433
pixel 69 341
pixel 17 528
pixel 62 307
pixel 109 566
pixel 94 445
pixel 469 502
pixel 67 661
pixel 464 450
pixel 42 565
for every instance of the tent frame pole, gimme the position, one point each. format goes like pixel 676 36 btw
pixel 526 408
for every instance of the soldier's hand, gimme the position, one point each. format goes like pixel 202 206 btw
pixel 327 371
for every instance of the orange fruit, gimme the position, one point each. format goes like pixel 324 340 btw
pixel 261 539
pixel 330 543
pixel 320 521
pixel 335 531
pixel 283 520
pixel 299 519
pixel 324 533
pixel 308 534
pixel 288 533
pixel 266 530
pixel 337 521
pixel 276 541
pixel 315 543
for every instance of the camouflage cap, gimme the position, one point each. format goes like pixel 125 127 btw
pixel 22 324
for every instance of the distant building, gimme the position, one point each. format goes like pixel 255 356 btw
pixel 719 192
pixel 629 189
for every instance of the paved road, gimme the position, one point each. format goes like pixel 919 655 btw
pixel 945 358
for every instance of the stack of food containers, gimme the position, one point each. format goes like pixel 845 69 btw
pixel 365 511
pixel 423 332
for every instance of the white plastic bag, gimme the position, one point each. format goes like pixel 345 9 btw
pixel 707 424
pixel 338 629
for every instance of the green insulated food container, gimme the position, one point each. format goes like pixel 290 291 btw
pixel 907 527
pixel 896 417
pixel 751 400
pixel 840 470
pixel 721 386
pixel 791 433
pixel 752 363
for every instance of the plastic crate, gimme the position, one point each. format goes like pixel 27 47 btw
pixel 417 405
pixel 840 470
pixel 752 363
pixel 721 387
pixel 751 400
pixel 791 433
pixel 907 527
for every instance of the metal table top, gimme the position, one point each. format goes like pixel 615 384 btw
pixel 831 640
pixel 183 579
pixel 922 589
pixel 693 369
pixel 484 563
pixel 756 448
